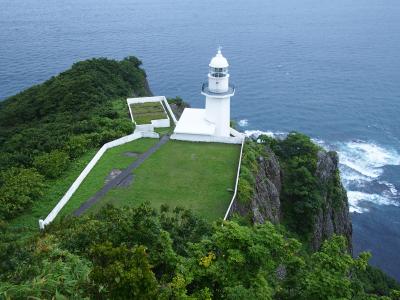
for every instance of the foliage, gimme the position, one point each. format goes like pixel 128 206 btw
pixel 79 109
pixel 139 253
pixel 122 273
pixel 301 196
pixel 52 272
pixel 249 167
pixel 51 164
pixel 19 188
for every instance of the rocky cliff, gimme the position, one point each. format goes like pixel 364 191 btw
pixel 332 217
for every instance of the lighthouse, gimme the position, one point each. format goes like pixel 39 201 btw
pixel 218 92
pixel 212 123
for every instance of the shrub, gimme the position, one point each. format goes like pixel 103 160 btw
pixel 19 187
pixel 51 164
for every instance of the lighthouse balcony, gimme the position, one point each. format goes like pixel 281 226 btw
pixel 205 90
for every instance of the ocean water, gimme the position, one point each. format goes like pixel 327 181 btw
pixel 330 69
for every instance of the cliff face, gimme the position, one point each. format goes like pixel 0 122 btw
pixel 265 204
pixel 333 217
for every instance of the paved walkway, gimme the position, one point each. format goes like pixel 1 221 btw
pixel 122 179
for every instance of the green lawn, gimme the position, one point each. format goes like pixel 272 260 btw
pixel 143 113
pixel 200 176
pixel 114 158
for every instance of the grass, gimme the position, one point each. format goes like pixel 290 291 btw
pixel 143 113
pixel 114 158
pixel 200 176
pixel 55 190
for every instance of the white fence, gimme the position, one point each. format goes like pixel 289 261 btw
pixel 160 123
pixel 236 184
pixel 64 200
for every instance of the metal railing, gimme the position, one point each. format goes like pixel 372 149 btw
pixel 206 90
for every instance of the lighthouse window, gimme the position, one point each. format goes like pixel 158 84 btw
pixel 218 72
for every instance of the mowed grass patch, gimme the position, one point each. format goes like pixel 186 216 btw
pixel 143 113
pixel 114 158
pixel 199 176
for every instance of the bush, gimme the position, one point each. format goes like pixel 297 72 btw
pixel 51 164
pixel 19 188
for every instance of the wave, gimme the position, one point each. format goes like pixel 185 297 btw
pixel 243 123
pixel 362 165
pixel 357 201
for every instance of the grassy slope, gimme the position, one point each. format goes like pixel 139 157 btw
pixel 193 175
pixel 113 158
pixel 55 190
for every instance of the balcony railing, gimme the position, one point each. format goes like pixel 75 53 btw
pixel 205 90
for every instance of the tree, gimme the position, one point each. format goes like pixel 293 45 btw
pixel 122 273
pixel 19 188
pixel 51 164
pixel 329 271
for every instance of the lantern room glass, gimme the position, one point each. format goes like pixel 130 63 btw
pixel 218 72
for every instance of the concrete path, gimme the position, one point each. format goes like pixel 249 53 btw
pixel 121 179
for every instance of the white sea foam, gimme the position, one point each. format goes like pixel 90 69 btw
pixel 243 123
pixel 361 165
pixel 367 159
pixel 391 187
pixel 257 133
pixel 356 199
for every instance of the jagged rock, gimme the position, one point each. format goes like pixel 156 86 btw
pixel 265 203
pixel 333 217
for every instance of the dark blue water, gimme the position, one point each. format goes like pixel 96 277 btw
pixel 330 69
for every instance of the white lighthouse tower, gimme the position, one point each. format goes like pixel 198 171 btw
pixel 211 124
pixel 218 94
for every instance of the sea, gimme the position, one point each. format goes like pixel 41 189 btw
pixel 329 69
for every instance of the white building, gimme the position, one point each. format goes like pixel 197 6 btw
pixel 211 124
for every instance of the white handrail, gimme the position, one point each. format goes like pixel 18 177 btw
pixel 237 181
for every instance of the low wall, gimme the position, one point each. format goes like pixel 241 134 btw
pixel 161 123
pixel 144 128
pixel 64 200
pixel 207 138
pixel 170 110
pixel 236 184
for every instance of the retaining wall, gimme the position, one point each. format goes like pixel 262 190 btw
pixel 64 200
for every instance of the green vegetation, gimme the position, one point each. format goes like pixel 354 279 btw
pixel 52 193
pixel 49 133
pixel 139 253
pixel 48 127
pixel 251 151
pixel 143 113
pixel 301 194
pixel 118 157
pixel 196 175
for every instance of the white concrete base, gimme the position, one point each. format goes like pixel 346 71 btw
pixel 193 121
pixel 207 138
